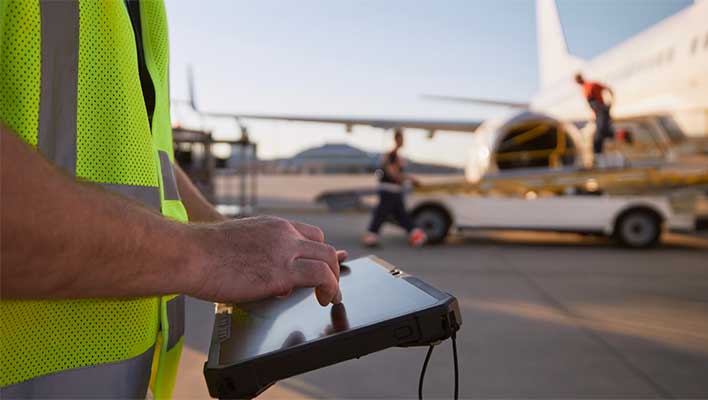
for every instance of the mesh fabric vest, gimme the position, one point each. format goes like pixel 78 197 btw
pixel 70 87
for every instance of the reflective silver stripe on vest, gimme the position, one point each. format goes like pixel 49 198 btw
pixel 147 195
pixel 126 379
pixel 390 187
pixel 175 319
pixel 56 134
pixel 169 184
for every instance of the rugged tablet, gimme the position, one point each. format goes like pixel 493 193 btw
pixel 256 344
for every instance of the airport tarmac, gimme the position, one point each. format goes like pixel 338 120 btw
pixel 545 315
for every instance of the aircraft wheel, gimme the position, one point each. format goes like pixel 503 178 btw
pixel 434 221
pixel 638 228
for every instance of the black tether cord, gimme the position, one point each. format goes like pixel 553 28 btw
pixel 454 356
pixel 425 366
pixel 422 372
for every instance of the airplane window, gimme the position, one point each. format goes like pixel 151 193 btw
pixel 669 55
pixel 705 42
pixel 694 45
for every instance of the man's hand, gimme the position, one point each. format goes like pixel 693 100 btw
pixel 255 258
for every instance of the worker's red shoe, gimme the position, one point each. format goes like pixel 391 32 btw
pixel 370 240
pixel 417 237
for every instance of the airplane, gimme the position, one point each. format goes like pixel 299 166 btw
pixel 659 77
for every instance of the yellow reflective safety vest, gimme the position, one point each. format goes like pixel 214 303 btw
pixel 86 83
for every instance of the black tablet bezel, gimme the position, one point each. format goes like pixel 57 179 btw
pixel 251 377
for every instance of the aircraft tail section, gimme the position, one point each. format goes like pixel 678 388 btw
pixel 555 62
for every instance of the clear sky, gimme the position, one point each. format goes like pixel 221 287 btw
pixel 374 58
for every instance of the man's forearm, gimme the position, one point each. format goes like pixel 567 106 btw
pixel 198 207
pixel 62 239
pixel 98 244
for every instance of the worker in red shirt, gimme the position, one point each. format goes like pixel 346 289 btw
pixel 594 93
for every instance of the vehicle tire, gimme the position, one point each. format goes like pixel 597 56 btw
pixel 434 221
pixel 638 228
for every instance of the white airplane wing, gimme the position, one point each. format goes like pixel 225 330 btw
pixel 430 125
pixel 475 100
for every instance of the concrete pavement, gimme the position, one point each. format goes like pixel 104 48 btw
pixel 545 315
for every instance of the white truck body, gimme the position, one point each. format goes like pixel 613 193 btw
pixel 572 213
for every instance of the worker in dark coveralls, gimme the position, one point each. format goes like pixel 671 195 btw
pixel 594 93
pixel 391 188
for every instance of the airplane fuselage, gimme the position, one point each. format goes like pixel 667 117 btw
pixel 662 71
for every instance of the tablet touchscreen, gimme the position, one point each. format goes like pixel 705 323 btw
pixel 370 294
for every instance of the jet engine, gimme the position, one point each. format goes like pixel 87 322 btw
pixel 525 140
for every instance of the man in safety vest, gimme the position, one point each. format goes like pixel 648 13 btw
pixel 97 253
pixel 594 93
